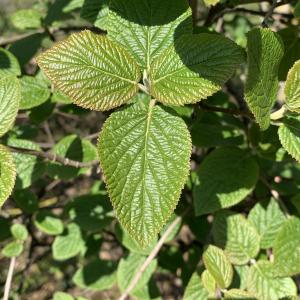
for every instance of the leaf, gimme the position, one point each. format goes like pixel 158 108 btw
pixel 211 2
pixel 195 289
pixel 238 294
pixel 225 177
pixel 26 19
pixel 235 234
pixel 219 266
pixel 98 275
pixel 26 200
pixel 144 152
pixel 34 92
pixel 265 51
pixel 74 148
pixel 9 65
pixel 263 286
pixel 93 71
pixel 267 218
pixel 7 174
pixel 209 282
pixel 12 249
pixel 292 88
pixel 48 223
pixel 289 135
pixel 192 69
pixel 62 296
pixel 148 27
pixel 240 277
pixel 9 102
pixel 297 10
pixel 286 249
pixel 19 232
pixel 69 244
pixel 59 97
pixel 127 269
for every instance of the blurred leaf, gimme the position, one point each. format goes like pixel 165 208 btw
pixel 62 296
pixel 42 112
pixel 211 2
pixel 26 200
pixel 19 232
pixel 12 249
pixel 48 223
pixel 9 65
pixel 195 289
pixel 5 229
pixel 26 19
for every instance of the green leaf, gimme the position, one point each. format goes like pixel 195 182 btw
pixel 263 286
pixel 195 289
pixel 12 249
pixel 59 97
pixel 74 148
pixel 209 282
pixel 194 68
pixel 289 135
pixel 129 267
pixel 219 266
pixel 211 2
pixel 267 217
pixel 292 88
pixel 297 10
pixel 9 102
pixel 26 200
pixel 225 177
pixel 69 244
pixel 7 174
pixel 265 51
pixel 62 296
pixel 237 236
pixel 34 92
pixel 238 294
pixel 9 65
pixel 48 223
pixel 29 168
pixel 287 249
pixel 148 27
pixel 26 19
pixel 19 232
pixel 240 277
pixel 97 275
pixel 144 151
pixel 93 71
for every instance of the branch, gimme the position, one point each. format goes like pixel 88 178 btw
pixel 55 158
pixel 151 256
pixel 9 278
pixel 269 14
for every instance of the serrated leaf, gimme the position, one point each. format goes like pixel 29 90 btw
pixel 238 294
pixel 19 232
pixel 209 282
pixel 34 92
pixel 7 174
pixel 69 244
pixel 286 249
pixel 219 266
pixel 265 51
pixel 225 177
pixel 93 71
pixel 12 249
pixel 263 286
pixel 144 151
pixel 26 19
pixel 289 135
pixel 292 88
pixel 148 27
pixel 192 69
pixel 267 217
pixel 9 102
pixel 127 269
pixel 232 232
pixel 48 223
pixel 9 65
pixel 195 289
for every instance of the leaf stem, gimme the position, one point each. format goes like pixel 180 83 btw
pixel 9 278
pixel 279 114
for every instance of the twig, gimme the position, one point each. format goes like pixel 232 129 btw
pixel 151 256
pixel 9 278
pixel 92 136
pixel 48 133
pixel 55 158
pixel 269 14
pixel 12 39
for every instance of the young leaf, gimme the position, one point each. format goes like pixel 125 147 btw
pixel 267 218
pixel 287 249
pixel 93 71
pixel 219 266
pixel 289 135
pixel 195 289
pixel 98 275
pixel 19 232
pixel 209 282
pixel 225 177
pixel 148 27
pixel 48 223
pixel 144 151
pixel 12 249
pixel 9 102
pixel 263 286
pixel 238 294
pixel 235 234
pixel 9 65
pixel 7 174
pixel 195 67
pixel 265 51
pixel 292 88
